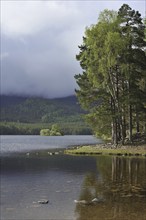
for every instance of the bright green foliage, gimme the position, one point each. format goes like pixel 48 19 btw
pixel 114 65
pixel 54 131
pixel 45 132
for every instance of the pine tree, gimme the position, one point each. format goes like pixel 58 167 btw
pixel 133 62
pixel 112 86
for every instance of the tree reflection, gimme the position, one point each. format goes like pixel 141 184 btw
pixel 121 183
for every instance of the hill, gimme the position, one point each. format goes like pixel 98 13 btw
pixel 42 112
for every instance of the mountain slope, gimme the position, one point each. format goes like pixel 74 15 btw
pixel 28 115
pixel 35 110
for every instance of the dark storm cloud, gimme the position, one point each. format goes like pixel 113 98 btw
pixel 39 41
pixel 35 67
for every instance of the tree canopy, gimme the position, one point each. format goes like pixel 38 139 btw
pixel 112 86
pixel 54 131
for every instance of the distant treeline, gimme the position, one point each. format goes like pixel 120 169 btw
pixel 28 115
pixel 15 128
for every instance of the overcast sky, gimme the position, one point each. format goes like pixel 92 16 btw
pixel 39 42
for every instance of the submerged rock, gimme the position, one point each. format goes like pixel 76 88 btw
pixel 92 202
pixel 83 202
pixel 95 200
pixel 43 201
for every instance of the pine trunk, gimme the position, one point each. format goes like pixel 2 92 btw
pixel 137 122
pixel 130 123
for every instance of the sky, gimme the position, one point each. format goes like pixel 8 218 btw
pixel 39 43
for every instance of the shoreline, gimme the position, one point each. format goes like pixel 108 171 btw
pixel 108 149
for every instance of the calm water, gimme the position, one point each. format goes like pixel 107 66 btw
pixel 26 143
pixel 119 182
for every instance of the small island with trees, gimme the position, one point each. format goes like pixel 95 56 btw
pixel 54 131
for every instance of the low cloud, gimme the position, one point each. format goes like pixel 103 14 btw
pixel 39 42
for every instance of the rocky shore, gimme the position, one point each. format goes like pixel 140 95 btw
pixel 109 149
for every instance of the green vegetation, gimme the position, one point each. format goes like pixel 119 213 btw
pixel 54 131
pixel 67 128
pixel 45 132
pixel 103 149
pixel 112 86
pixel 27 116
pixel 40 110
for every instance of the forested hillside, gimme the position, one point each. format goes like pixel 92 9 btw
pixel 23 115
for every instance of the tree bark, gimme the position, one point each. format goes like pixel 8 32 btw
pixel 130 123
pixel 137 121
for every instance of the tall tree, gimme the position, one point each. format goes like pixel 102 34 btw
pixel 134 60
pixel 113 61
pixel 100 94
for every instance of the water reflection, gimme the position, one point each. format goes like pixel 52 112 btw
pixel 119 184
pixel 25 180
pixel 121 188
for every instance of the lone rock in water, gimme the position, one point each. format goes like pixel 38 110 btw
pixel 43 201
